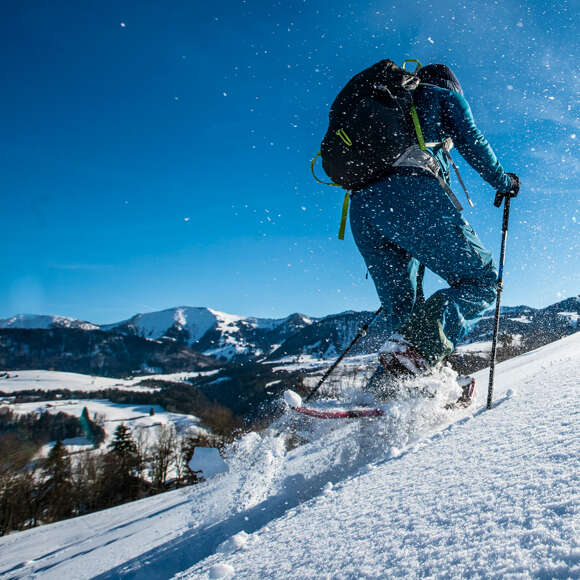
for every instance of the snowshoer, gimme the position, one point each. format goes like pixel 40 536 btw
pixel 407 220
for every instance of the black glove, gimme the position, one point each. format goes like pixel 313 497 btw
pixel 515 185
pixel 513 191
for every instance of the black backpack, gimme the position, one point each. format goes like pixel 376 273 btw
pixel 371 123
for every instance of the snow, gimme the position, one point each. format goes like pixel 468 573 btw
pixel 572 317
pixel 111 414
pixel 73 445
pixel 292 399
pixel 197 321
pixel 421 493
pixel 522 319
pixel 44 321
pixel 482 347
pixel 209 461
pixel 15 381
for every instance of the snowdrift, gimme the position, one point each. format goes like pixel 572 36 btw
pixel 419 493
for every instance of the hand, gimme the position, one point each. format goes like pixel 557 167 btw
pixel 513 191
pixel 515 185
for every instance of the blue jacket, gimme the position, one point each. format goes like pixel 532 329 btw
pixel 444 113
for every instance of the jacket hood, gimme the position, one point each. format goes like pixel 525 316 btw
pixel 441 76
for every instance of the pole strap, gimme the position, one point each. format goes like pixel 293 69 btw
pixel 446 145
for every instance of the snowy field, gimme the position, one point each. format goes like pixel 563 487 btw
pixel 111 415
pixel 419 493
pixel 15 381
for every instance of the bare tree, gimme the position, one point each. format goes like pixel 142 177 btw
pixel 162 455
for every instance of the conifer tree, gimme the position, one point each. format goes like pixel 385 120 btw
pixel 58 483
pixel 122 467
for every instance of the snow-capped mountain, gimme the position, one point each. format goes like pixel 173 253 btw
pixel 233 338
pixel 224 336
pixel 418 493
pixel 43 321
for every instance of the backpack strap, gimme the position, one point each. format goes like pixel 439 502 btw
pixel 344 215
pixel 346 201
pixel 417 126
pixel 312 164
pixel 414 115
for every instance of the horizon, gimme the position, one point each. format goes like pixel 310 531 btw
pixel 308 315
pixel 158 155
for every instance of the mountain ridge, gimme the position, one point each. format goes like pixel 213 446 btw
pixel 230 338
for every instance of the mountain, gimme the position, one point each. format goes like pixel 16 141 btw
pixel 95 352
pixel 420 493
pixel 526 327
pixel 236 339
pixel 217 334
pixel 43 321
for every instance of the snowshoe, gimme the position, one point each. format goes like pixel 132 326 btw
pixel 467 397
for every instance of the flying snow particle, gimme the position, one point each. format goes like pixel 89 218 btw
pixel 430 40
pixel 520 24
pixel 224 94
pixel 303 207
pixel 510 87
pixel 573 136
pixel 292 399
pixel 123 25
pixel 186 219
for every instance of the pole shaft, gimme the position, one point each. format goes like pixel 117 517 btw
pixel 360 334
pixel 506 214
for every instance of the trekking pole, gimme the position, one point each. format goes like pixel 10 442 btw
pixel 506 216
pixel 362 332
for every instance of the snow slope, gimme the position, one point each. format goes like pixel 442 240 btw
pixel 422 493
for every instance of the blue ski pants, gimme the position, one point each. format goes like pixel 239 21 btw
pixel 405 220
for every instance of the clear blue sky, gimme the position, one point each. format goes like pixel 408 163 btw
pixel 156 154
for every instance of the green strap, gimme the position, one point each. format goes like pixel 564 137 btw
pixel 419 65
pixel 414 115
pixel 345 138
pixel 344 216
pixel 312 164
pixel 417 125
pixel 345 203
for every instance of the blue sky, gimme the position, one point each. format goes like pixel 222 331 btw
pixel 156 154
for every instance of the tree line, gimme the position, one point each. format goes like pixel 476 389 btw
pixel 65 485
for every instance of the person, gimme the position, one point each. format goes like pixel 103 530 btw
pixel 407 221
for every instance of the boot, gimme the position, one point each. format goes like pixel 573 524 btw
pixel 400 358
